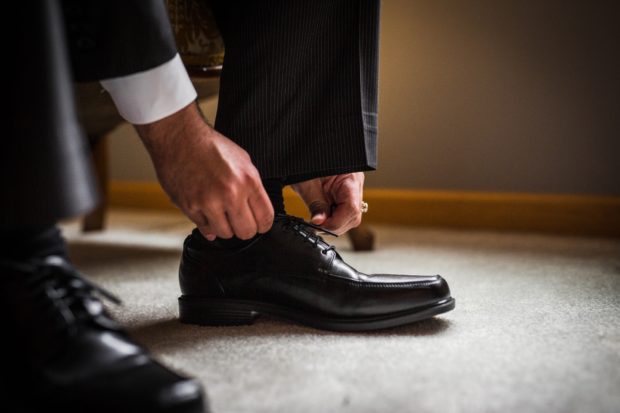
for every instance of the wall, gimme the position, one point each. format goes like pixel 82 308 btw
pixel 486 95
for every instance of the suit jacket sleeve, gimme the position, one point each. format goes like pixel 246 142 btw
pixel 113 38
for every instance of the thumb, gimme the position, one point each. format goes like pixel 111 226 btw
pixel 313 196
pixel 319 210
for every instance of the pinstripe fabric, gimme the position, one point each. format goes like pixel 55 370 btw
pixel 299 84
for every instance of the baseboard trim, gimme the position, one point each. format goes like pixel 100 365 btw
pixel 557 214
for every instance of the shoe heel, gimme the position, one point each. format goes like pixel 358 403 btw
pixel 215 312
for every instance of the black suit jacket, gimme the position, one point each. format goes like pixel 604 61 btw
pixel 45 169
pixel 112 38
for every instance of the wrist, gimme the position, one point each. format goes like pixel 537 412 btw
pixel 187 123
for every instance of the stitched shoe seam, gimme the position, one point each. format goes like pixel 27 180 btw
pixel 365 284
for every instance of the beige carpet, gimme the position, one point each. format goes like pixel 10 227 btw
pixel 536 326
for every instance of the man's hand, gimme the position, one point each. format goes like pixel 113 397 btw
pixel 209 177
pixel 334 201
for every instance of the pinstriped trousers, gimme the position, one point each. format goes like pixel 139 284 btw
pixel 298 89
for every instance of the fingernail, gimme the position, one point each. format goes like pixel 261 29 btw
pixel 318 218
pixel 211 237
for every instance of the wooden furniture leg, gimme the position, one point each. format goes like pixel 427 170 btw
pixel 362 238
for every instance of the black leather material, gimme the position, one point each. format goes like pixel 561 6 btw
pixel 68 354
pixel 292 267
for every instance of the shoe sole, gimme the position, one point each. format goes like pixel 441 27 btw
pixel 225 312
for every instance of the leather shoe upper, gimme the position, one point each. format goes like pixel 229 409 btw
pixel 72 354
pixel 291 265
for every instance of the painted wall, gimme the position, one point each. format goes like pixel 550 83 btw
pixel 486 95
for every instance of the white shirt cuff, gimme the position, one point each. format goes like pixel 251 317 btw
pixel 149 96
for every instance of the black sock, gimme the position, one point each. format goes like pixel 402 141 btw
pixel 30 244
pixel 273 187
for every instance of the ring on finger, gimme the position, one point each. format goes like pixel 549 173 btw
pixel 364 207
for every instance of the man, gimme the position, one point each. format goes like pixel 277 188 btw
pixel 298 100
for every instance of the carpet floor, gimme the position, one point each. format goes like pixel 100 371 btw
pixel 536 326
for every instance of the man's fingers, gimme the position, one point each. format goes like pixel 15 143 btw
pixel 202 223
pixel 313 196
pixel 261 208
pixel 343 218
pixel 218 222
pixel 318 212
pixel 347 213
pixel 207 232
pixel 242 221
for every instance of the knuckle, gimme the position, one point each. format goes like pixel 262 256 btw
pixel 231 193
pixel 351 205
pixel 189 205
pixel 253 176
pixel 210 210
pixel 195 214
pixel 189 210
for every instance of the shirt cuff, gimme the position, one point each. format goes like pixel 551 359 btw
pixel 153 94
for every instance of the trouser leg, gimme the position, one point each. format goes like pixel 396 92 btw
pixel 31 243
pixel 299 84
pixel 273 187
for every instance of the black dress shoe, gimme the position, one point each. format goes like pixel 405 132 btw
pixel 66 354
pixel 292 273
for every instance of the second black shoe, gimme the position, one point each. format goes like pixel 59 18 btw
pixel 63 352
pixel 291 272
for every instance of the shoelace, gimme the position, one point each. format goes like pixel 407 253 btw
pixel 59 304
pixel 71 295
pixel 306 230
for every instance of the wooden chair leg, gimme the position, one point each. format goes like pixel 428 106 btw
pixel 95 220
pixel 362 238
